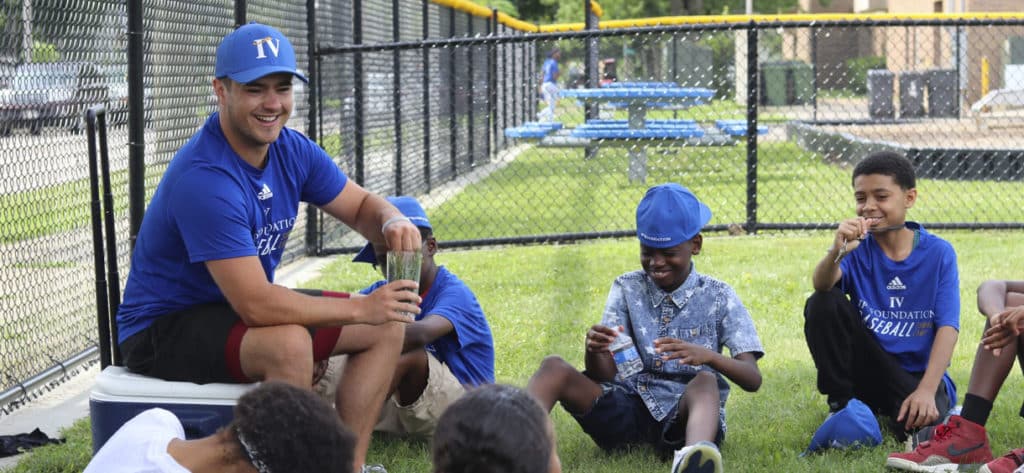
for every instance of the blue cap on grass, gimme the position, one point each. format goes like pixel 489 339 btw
pixel 253 51
pixel 668 215
pixel 850 427
pixel 411 209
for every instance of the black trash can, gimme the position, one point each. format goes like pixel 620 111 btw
pixel 942 93
pixel 880 89
pixel 912 88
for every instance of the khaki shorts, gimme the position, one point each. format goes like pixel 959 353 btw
pixel 418 418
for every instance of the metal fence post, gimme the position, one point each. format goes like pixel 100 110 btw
pixel 452 86
pixel 752 90
pixel 239 13
pixel 136 122
pixel 358 108
pixel 592 109
pixel 492 93
pixel 814 70
pixel 470 116
pixel 426 96
pixel 396 95
pixel 313 241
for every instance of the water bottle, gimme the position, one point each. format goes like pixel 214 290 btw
pixel 627 359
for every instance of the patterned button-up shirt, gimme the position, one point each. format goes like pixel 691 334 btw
pixel 703 310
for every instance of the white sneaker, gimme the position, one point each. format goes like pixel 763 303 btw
pixel 701 457
pixel 374 469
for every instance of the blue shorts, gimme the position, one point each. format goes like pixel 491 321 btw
pixel 620 419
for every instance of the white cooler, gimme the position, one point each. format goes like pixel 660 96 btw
pixel 120 395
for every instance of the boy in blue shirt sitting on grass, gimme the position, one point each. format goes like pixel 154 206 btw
pixel 885 315
pixel 679 321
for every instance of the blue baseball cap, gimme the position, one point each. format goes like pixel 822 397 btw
pixel 668 215
pixel 853 426
pixel 253 51
pixel 411 209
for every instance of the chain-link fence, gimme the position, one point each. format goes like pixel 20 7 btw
pixel 762 119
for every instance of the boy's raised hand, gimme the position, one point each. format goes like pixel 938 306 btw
pixel 687 353
pixel 850 232
pixel 1004 327
pixel 599 338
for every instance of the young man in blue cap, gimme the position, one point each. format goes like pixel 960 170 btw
pixel 679 321
pixel 200 303
pixel 447 349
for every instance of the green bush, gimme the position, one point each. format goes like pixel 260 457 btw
pixel 858 68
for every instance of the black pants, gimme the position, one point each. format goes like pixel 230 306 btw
pixel 851 363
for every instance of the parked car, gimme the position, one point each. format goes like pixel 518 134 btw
pixel 52 93
pixel 116 78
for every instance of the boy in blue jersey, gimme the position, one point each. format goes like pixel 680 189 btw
pixel 884 317
pixel 679 320
pixel 448 348
pixel 549 85
pixel 200 304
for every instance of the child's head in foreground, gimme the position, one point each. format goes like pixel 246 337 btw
pixel 885 187
pixel 669 219
pixel 495 428
pixel 281 427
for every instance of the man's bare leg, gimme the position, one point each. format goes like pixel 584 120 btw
pixel 373 353
pixel 278 353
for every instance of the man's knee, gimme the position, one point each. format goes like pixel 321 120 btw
pixel 276 351
pixel 390 334
pixel 291 342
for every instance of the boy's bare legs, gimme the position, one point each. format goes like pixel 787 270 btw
pixel 990 371
pixel 699 408
pixel 373 352
pixel 698 412
pixel 558 381
pixel 411 377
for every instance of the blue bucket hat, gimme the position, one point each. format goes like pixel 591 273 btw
pixel 253 51
pixel 411 209
pixel 668 215
pixel 853 426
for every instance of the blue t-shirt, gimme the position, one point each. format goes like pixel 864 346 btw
pixel 904 303
pixel 468 351
pixel 211 204
pixel 703 310
pixel 550 69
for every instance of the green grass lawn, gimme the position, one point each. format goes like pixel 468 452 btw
pixel 541 299
pixel 548 190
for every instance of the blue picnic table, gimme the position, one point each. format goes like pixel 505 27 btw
pixel 638 98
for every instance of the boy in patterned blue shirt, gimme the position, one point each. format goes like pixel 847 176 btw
pixel 679 321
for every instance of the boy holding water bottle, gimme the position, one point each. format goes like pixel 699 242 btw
pixel 679 321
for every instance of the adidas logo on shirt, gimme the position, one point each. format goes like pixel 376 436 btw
pixel 265 193
pixel 896 285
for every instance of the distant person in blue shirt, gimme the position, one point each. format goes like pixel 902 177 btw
pixel 680 321
pixel 549 85
pixel 448 349
pixel 200 303
pixel 885 313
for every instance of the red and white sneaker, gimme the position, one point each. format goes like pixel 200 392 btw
pixel 1010 463
pixel 956 445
